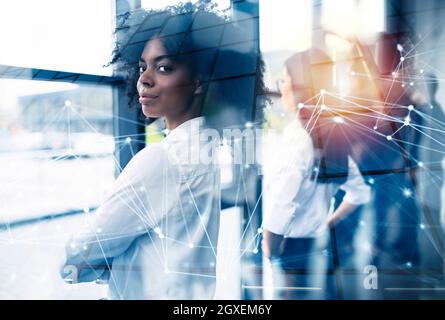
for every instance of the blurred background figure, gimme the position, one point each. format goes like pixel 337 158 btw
pixel 312 162
pixel 431 171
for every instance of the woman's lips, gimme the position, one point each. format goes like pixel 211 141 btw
pixel 147 98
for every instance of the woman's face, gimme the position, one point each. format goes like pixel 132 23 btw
pixel 287 95
pixel 165 86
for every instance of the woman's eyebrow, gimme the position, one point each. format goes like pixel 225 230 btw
pixel 158 58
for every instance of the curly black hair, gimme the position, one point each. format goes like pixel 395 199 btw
pixel 224 56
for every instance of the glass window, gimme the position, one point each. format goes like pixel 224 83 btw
pixel 71 35
pixel 349 17
pixel 54 137
pixel 159 4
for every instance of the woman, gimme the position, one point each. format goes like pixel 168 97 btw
pixel 311 163
pixel 155 235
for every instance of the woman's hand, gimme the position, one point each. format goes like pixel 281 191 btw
pixel 343 210
pixel 272 244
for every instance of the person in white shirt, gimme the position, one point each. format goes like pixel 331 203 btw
pixel 155 234
pixel 310 164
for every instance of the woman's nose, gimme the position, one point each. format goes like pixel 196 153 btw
pixel 146 78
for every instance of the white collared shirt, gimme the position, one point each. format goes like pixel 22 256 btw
pixel 157 229
pixel 294 205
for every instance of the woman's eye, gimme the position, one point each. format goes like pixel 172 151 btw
pixel 164 68
pixel 141 69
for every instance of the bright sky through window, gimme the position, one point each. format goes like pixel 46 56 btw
pixel 348 17
pixel 285 26
pixel 69 35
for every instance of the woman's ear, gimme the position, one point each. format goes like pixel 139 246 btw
pixel 198 87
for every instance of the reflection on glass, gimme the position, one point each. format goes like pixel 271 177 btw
pixel 54 138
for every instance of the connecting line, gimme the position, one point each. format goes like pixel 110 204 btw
pixel 250 219
pixel 427 135
pixel 342 111
pixel 435 69
pixel 418 146
pixel 200 219
pixel 114 116
pixel 106 261
pixel 248 223
pixel 315 113
pixel 185 222
pixel 388 117
pixel 193 274
pixel 421 40
pixel 408 76
pixel 430 118
pixel 246 249
pixel 141 215
pixel 390 88
pixel 377 102
pixel 245 195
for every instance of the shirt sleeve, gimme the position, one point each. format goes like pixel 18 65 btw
pixel 357 191
pixel 284 183
pixel 137 202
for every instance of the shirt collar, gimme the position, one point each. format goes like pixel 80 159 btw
pixel 184 129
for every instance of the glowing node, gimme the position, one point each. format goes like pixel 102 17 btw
pixel 255 251
pixel 248 124
pixel 407 192
pixel 410 107
pixel 371 180
pixel 158 230
pixel 375 128
pixel 338 119
pixel 85 248
pixel 67 103
pixel 323 107
pixel 300 105
pixel 352 73
pixel 322 91
pixel 420 164
pixel 422 226
pixel 408 264
pixel 161 236
pixel 421 70
pixel 166 271
pixel 191 245
pixel 260 230
pixel 402 59
pixel 86 210
pixel 389 138
pixel 411 84
pixel 72 245
pixel 399 47
pixel 98 230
